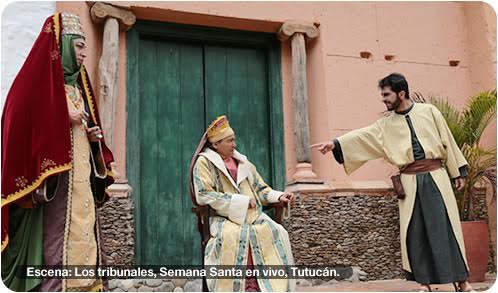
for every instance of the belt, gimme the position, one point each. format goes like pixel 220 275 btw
pixel 422 166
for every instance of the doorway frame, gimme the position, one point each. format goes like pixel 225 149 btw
pixel 210 35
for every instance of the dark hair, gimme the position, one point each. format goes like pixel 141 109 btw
pixel 397 82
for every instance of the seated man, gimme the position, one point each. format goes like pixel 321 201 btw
pixel 241 233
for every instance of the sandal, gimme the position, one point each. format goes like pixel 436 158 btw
pixel 468 287
pixel 425 288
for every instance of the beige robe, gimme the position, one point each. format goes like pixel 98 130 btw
pixel 390 138
pixel 81 239
pixel 235 227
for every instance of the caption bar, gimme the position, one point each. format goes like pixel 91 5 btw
pixel 191 272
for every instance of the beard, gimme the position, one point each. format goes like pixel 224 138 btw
pixel 393 106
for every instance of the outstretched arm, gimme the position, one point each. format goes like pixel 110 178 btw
pixel 355 148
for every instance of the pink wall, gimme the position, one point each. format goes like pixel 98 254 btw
pixel 343 95
pixel 481 33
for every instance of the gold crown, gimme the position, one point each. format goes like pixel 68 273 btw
pixel 219 129
pixel 71 24
pixel 218 125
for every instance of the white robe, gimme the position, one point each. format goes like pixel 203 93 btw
pixel 390 138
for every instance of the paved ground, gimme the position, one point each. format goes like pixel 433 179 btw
pixel 396 285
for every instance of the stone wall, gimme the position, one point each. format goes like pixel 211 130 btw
pixel 357 230
pixel 325 229
pixel 118 231
pixel 155 285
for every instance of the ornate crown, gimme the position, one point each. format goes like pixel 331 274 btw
pixel 71 24
pixel 219 129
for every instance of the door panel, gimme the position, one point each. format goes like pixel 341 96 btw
pixel 237 85
pixel 182 86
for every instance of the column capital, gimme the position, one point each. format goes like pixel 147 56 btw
pixel 289 28
pixel 100 11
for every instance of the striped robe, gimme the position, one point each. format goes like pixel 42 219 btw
pixel 235 227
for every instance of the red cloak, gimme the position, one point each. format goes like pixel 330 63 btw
pixel 36 132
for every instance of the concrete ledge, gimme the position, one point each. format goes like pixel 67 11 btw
pixel 119 190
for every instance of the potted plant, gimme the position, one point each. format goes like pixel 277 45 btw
pixel 467 126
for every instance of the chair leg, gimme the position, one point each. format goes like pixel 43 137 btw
pixel 204 285
pixel 205 238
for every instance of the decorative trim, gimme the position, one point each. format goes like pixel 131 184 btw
pixel 101 11
pixel 289 28
pixel 71 24
pixel 217 161
pixel 46 163
pixel 68 215
pixel 57 27
pixel 54 55
pixel 97 241
pixel 48 29
pixel 88 94
pixel 21 181
pixel 96 287
pixel 36 183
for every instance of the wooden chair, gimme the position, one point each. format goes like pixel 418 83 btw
pixel 203 213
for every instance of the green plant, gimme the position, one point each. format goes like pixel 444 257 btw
pixel 467 127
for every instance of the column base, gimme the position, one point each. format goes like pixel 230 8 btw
pixel 119 189
pixel 304 174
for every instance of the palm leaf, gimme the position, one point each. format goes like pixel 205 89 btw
pixel 453 118
pixel 467 128
pixel 417 97
pixel 480 111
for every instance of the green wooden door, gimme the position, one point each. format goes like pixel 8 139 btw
pixel 179 86
pixel 236 85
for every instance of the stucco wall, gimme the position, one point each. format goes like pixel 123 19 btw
pixel 423 37
pixel 343 95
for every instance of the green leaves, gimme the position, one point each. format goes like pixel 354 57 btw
pixel 478 114
pixel 453 118
pixel 467 127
